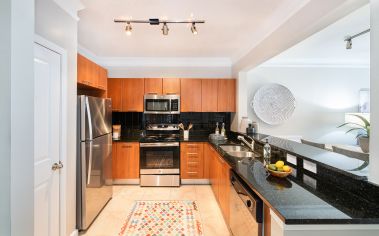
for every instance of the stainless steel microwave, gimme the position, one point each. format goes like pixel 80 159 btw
pixel 161 104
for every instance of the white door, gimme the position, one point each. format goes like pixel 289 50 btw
pixel 47 122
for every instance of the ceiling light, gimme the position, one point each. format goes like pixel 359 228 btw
pixel 128 29
pixel 165 29
pixel 349 43
pixel 156 21
pixel 193 29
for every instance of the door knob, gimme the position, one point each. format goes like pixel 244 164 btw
pixel 57 166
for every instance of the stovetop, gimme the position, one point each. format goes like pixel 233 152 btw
pixel 160 138
pixel 161 133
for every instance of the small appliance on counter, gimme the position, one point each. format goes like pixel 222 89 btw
pixel 116 132
pixel 245 121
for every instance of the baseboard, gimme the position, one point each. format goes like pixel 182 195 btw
pixel 195 181
pixel 126 181
pixel 75 233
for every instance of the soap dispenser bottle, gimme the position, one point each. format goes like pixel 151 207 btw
pixel 217 131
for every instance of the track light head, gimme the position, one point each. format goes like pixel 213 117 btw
pixel 349 43
pixel 193 29
pixel 128 29
pixel 165 29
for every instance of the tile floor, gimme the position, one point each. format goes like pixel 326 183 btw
pixel 111 219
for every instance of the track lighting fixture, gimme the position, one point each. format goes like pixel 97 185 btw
pixel 155 21
pixel 165 29
pixel 128 29
pixel 193 29
pixel 348 39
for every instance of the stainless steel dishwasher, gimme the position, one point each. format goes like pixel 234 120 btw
pixel 246 209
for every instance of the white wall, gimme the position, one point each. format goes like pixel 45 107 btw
pixel 374 148
pixel 16 119
pixel 5 118
pixel 322 96
pixel 169 72
pixel 59 27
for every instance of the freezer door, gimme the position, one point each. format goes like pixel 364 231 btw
pixel 95 117
pixel 94 177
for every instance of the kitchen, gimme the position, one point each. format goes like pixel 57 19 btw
pixel 146 110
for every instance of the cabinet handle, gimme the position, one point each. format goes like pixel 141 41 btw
pixel 192 145
pixel 126 146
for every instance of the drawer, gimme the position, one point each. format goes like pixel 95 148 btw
pixel 192 174
pixel 193 165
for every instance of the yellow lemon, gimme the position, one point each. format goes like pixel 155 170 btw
pixel 279 164
pixel 286 168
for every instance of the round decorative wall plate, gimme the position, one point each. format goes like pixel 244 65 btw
pixel 273 104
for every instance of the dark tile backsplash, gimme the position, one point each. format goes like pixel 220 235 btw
pixel 202 121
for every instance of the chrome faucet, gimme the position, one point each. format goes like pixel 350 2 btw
pixel 250 145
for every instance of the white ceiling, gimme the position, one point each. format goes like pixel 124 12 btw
pixel 232 27
pixel 327 47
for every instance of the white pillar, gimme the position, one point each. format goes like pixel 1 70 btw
pixel 241 100
pixel 374 87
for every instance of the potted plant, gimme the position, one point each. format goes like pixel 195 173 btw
pixel 363 134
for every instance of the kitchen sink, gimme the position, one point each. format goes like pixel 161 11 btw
pixel 234 148
pixel 242 154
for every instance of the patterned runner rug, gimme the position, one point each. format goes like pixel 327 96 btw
pixel 163 218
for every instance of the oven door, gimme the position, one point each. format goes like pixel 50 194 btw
pixel 159 158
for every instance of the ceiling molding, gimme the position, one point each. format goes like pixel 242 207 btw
pixel 318 62
pixel 156 61
pixel 71 7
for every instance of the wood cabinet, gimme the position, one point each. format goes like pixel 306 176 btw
pixel 153 86
pixel 114 92
pixel 190 91
pixel 207 157
pixel 209 92
pixel 226 95
pixel 191 161
pixel 171 86
pixel 132 95
pixel 125 160
pixel 219 176
pixel 103 78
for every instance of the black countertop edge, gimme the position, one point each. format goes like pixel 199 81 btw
pixel 292 221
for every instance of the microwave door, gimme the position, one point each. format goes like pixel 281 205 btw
pixel 157 106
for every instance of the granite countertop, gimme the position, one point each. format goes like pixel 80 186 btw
pixel 295 202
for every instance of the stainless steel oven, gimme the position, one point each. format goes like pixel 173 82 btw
pixel 160 164
pixel 161 104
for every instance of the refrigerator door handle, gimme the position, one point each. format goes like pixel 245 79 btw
pixel 83 205
pixel 89 119
pixel 89 163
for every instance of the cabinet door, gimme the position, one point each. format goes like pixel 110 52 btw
pixel 132 95
pixel 213 172
pixel 171 86
pixel 84 71
pixel 207 159
pixel 94 74
pixel 103 78
pixel 209 91
pixel 153 86
pixel 191 160
pixel 226 95
pixel 126 163
pixel 224 189
pixel 114 92
pixel 190 90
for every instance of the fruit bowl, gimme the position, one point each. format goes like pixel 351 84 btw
pixel 280 174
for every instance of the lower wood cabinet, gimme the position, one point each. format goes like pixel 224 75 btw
pixel 125 160
pixel 219 174
pixel 191 161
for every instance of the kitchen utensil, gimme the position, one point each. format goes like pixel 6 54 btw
pixel 190 126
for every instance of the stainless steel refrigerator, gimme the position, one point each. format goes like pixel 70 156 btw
pixel 94 158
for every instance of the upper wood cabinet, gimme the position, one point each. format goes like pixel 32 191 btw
pixel 125 163
pixel 103 78
pixel 153 86
pixel 226 95
pixel 90 74
pixel 132 95
pixel 171 86
pixel 209 91
pixel 190 95
pixel 114 92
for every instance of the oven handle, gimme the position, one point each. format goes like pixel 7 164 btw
pixel 160 144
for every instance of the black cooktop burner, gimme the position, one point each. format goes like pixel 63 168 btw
pixel 160 138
